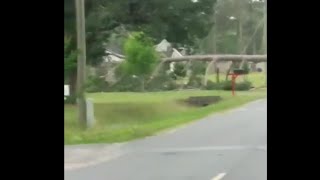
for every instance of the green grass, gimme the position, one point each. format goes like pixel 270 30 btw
pixel 126 116
pixel 257 79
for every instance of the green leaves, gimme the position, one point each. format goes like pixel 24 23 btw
pixel 70 57
pixel 240 34
pixel 141 57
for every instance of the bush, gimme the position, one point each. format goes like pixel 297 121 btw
pixel 126 84
pixel 195 82
pixel 242 86
pixel 162 82
pixel 214 86
pixel 180 70
pixel 171 85
pixel 70 100
pixel 96 84
pixel 246 67
pixel 133 84
pixel 227 86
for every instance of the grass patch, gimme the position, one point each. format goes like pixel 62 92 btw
pixel 126 116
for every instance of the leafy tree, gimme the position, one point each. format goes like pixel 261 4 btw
pixel 180 21
pixel 237 27
pixel 141 57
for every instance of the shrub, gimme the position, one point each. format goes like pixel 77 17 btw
pixel 180 70
pixel 242 86
pixel 126 84
pixel 227 85
pixel 70 100
pixel 195 82
pixel 214 86
pixel 246 67
pixel 162 82
pixel 96 84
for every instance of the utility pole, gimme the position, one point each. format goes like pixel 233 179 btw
pixel 265 34
pixel 81 63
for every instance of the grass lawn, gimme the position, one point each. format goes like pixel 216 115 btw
pixel 126 116
pixel 257 79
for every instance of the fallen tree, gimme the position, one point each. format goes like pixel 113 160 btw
pixel 222 57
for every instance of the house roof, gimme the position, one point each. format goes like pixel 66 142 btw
pixel 163 46
pixel 176 53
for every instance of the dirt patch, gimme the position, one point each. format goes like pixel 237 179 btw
pixel 202 101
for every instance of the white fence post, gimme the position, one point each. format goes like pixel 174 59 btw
pixel 90 113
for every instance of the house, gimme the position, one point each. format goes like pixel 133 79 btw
pixel 166 50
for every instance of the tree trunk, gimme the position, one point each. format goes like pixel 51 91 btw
pixel 218 77
pixel 228 72
pixel 142 84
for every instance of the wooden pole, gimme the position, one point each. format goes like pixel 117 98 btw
pixel 265 34
pixel 81 63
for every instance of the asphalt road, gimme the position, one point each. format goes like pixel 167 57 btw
pixel 227 146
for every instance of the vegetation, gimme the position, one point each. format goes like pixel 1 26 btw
pixel 70 58
pixel 238 28
pixel 189 24
pixel 141 57
pixel 96 84
pixel 180 70
pixel 131 28
pixel 227 85
pixel 70 65
pixel 126 116
pixel 257 79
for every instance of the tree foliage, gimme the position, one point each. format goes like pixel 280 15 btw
pixel 238 27
pixel 179 21
pixel 180 69
pixel 141 57
pixel 184 23
pixel 70 58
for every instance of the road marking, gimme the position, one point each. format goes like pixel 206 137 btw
pixel 219 176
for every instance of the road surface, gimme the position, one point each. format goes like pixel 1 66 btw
pixel 226 146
